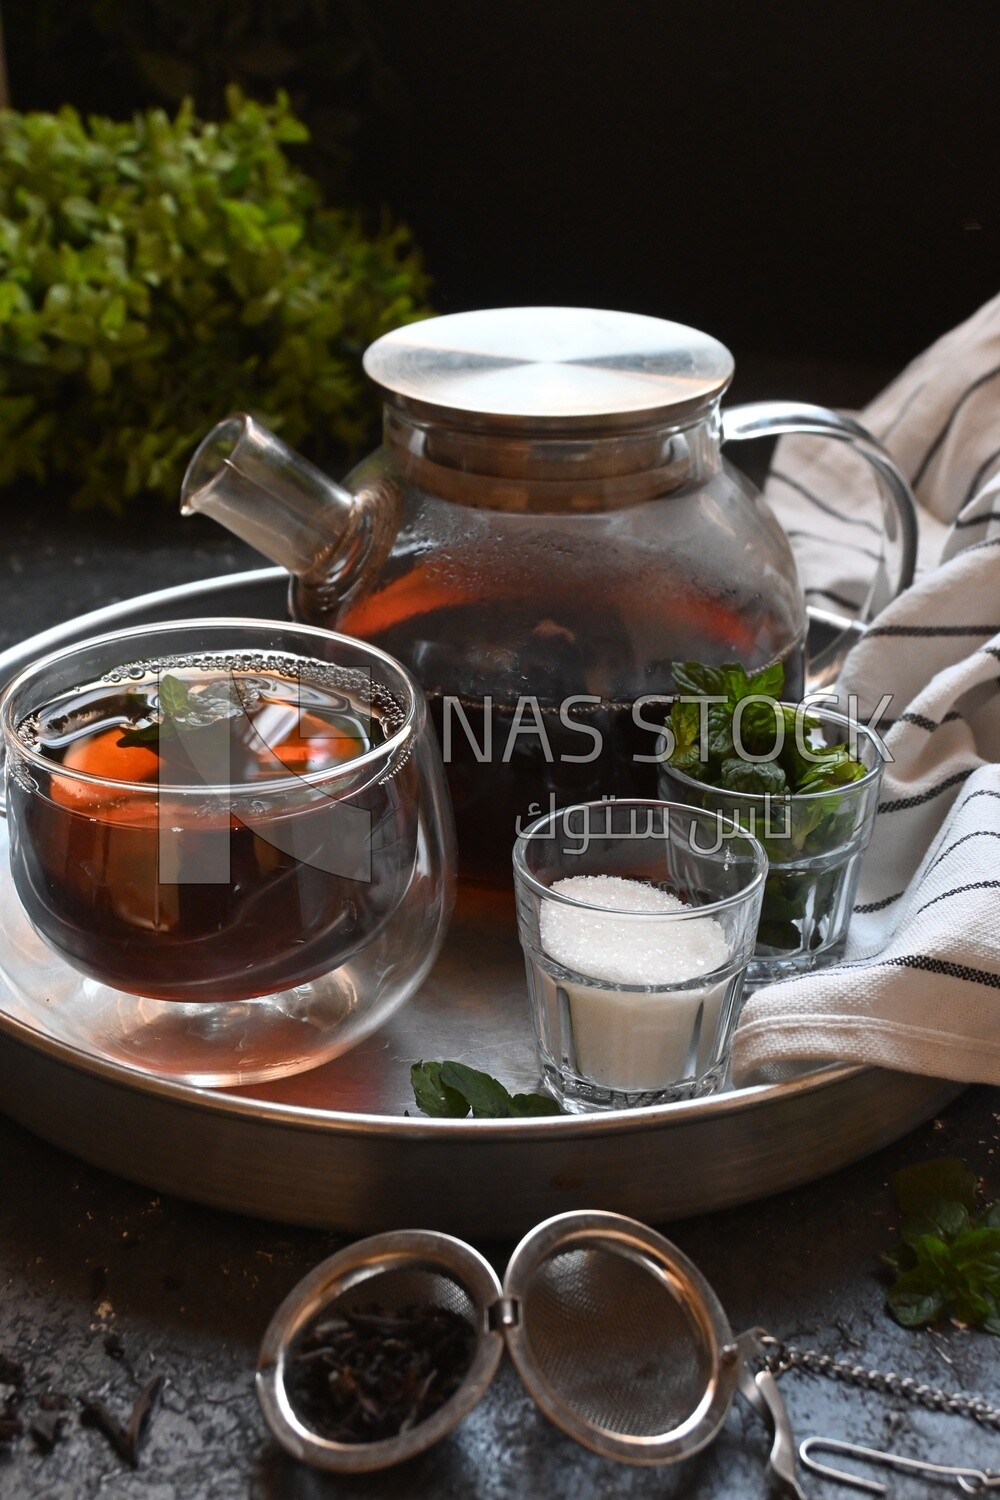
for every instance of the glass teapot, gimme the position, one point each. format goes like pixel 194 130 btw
pixel 548 525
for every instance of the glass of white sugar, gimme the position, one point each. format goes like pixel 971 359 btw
pixel 638 920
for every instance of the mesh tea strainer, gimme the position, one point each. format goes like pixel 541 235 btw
pixel 617 1337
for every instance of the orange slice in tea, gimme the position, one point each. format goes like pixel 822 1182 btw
pixel 311 744
pixel 101 755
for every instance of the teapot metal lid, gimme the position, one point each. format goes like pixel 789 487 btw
pixel 550 369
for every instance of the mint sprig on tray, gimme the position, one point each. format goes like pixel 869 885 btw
pixel 947 1262
pixel 450 1090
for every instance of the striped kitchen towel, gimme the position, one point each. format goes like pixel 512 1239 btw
pixel 940 422
pixel 919 987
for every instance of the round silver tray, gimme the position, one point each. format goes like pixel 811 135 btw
pixel 334 1147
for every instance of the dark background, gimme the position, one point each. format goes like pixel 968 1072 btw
pixel 802 180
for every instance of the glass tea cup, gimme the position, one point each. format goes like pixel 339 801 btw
pixel 814 842
pixel 637 919
pixel 232 840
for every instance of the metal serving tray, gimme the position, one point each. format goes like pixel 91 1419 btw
pixel 334 1147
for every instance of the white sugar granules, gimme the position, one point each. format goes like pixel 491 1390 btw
pixel 620 950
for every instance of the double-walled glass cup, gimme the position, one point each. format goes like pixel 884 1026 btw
pixel 637 920
pixel 245 886
pixel 814 843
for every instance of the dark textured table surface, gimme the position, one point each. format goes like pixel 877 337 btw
pixel 103 1285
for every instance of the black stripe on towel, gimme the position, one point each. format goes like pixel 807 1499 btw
pixel 977 479
pixel 841 599
pixel 827 509
pixel 971 390
pixel 982 792
pixel 980 833
pixel 901 413
pixel 870 906
pixel 941 966
pixel 901 804
pixel 990 515
pixel 922 631
pixel 920 720
pixel 829 541
pixel 959 890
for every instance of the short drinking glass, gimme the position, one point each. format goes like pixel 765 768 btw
pixel 814 843
pixel 637 920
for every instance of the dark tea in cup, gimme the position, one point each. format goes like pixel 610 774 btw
pixel 216 826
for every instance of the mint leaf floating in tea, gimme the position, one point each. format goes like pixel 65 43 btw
pixel 178 709
pixel 175 697
pixel 449 1090
pixel 947 1262
pixel 365 1375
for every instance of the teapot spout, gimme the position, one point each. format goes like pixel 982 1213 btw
pixel 248 480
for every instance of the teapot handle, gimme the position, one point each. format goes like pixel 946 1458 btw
pixel 899 511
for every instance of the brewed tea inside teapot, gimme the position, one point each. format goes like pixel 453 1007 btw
pixel 548 524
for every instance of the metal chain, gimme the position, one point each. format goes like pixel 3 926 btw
pixel 780 1357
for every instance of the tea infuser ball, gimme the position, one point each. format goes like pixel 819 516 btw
pixel 615 1334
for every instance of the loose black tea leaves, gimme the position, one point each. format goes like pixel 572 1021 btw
pixel 127 1441
pixel 47 1428
pixel 12 1383
pixel 363 1377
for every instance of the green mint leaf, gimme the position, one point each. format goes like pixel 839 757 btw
pixel 452 1089
pixel 770 681
pixel 969 1307
pixel 945 1218
pixel 915 1299
pixel 434 1097
pixel 825 775
pixel 529 1105
pixel 948 1261
pixel 796 713
pixel 720 731
pixel 696 679
pixel 759 729
pixel 486 1096
pixel 174 696
pixel 977 1246
pixel 691 763
pixel 736 680
pixel 933 1256
pixel 684 725
pixel 921 1187
pixel 748 776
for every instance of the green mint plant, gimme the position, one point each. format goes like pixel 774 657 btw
pixel 159 273
pixel 792 821
pixel 452 1090
pixel 947 1261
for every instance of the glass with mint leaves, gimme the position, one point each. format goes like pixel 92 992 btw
pixel 802 779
